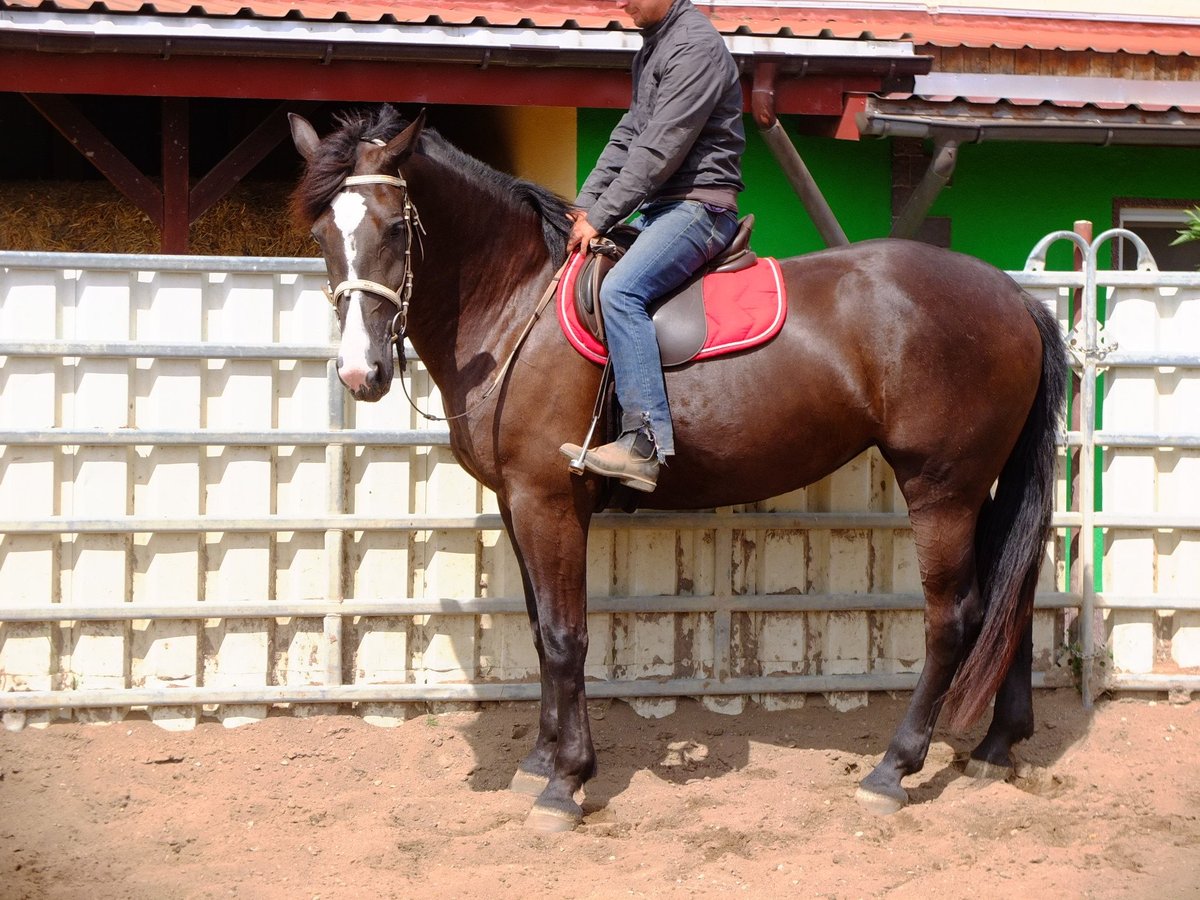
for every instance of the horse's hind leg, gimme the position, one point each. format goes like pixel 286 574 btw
pixel 1012 717
pixel 944 536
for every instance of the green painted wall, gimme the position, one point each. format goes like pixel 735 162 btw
pixel 1003 198
pixel 854 176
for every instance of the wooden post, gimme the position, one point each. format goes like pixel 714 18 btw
pixel 175 186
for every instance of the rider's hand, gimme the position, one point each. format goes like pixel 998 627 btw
pixel 582 231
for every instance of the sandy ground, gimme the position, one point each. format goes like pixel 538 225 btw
pixel 696 804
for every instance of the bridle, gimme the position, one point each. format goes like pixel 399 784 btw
pixel 401 298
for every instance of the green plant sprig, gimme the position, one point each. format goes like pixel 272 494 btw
pixel 1192 231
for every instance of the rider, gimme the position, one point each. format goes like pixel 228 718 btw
pixel 675 157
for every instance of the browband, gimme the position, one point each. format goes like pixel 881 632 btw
pixel 393 180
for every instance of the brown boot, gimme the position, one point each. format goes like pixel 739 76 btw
pixel 631 458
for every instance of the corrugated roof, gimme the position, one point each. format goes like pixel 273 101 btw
pixel 1067 93
pixel 1014 32
pixel 994 119
pixel 923 28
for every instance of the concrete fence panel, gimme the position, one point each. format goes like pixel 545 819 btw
pixel 197 520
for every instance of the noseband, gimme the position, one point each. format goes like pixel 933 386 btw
pixel 400 299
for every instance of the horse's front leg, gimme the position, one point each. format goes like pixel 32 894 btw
pixel 534 771
pixel 550 534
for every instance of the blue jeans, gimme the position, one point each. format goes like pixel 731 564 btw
pixel 677 238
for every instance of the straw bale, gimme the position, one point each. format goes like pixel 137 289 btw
pixel 93 217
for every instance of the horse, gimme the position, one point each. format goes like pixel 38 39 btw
pixel 938 359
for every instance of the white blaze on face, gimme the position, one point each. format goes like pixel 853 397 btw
pixel 349 211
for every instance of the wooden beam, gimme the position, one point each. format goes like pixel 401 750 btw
pixel 364 82
pixel 225 175
pixel 176 187
pixel 100 152
pixel 294 79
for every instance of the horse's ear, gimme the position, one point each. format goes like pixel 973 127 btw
pixel 303 135
pixel 402 145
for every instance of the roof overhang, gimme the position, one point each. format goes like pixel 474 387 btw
pixel 972 107
pixel 964 122
pixel 196 55
pixel 605 48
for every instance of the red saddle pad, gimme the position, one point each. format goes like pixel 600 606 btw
pixel 743 309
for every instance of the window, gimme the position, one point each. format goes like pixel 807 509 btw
pixel 1157 222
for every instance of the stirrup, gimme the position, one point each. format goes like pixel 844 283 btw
pixel 579 463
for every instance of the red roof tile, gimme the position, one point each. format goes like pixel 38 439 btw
pixel 921 27
pixel 1017 32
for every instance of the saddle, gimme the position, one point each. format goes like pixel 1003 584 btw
pixel 679 318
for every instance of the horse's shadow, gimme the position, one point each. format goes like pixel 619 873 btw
pixel 697 744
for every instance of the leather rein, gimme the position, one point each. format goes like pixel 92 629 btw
pixel 402 297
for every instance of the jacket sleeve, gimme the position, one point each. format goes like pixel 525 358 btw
pixel 689 89
pixel 609 165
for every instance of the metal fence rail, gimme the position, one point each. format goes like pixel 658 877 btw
pixel 339 527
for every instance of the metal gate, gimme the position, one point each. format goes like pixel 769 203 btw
pixel 195 521
pixel 1138 475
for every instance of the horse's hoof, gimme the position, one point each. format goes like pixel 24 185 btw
pixel 985 771
pixel 552 819
pixel 528 783
pixel 881 804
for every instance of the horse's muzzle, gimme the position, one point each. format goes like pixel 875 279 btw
pixel 369 382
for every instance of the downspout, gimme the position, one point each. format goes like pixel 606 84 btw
pixel 762 105
pixel 936 177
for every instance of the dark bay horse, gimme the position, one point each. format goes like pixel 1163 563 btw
pixel 937 359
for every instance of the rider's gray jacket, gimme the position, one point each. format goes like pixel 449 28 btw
pixel 682 137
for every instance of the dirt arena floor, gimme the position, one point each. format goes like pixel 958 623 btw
pixel 695 804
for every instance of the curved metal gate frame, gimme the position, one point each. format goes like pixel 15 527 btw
pixel 1092 353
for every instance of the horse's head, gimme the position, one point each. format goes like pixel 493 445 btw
pixel 362 216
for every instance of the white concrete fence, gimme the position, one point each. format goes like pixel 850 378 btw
pixel 194 519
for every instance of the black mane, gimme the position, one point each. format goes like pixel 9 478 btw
pixel 323 177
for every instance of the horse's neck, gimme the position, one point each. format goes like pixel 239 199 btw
pixel 471 287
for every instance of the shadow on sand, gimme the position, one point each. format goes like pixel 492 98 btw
pixel 696 744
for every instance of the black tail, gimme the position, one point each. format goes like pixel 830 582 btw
pixel 1011 534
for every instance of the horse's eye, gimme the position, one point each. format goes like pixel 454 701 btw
pixel 396 229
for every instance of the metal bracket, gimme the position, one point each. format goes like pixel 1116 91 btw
pixel 937 176
pixel 1077 345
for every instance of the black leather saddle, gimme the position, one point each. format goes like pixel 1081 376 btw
pixel 679 319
